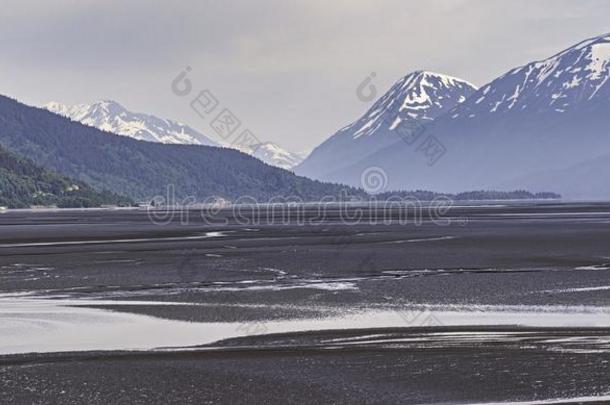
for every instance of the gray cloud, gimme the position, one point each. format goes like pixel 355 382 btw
pixel 289 70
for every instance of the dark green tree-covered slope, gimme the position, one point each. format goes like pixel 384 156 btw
pixel 23 184
pixel 142 170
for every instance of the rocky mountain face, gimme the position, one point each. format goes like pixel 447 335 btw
pixel 543 117
pixel 411 102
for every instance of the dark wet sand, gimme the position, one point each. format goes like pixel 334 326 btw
pixel 524 254
pixel 302 369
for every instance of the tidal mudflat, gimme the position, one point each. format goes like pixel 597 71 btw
pixel 494 302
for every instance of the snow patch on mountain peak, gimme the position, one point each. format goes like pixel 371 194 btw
pixel 110 116
pixel 600 55
pixel 273 154
pixel 558 83
pixel 416 98
pixel 420 95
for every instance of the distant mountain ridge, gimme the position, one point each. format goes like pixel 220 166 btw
pixel 544 116
pixel 273 155
pixel 143 170
pixel 414 100
pixel 110 116
pixel 543 125
pixel 559 83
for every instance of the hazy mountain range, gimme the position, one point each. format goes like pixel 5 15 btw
pixel 142 170
pixel 110 116
pixel 539 125
pixel 543 126
pixel 412 101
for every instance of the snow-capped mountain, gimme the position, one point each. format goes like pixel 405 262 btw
pixel 110 116
pixel 557 84
pixel 142 170
pixel 273 155
pixel 413 100
pixel 420 95
pixel 544 116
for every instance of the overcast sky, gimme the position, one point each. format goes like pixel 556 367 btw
pixel 288 69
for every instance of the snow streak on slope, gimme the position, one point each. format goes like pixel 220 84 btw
pixel 558 84
pixel 420 95
pixel 273 155
pixel 549 116
pixel 413 100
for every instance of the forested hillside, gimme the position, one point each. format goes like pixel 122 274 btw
pixel 23 184
pixel 142 170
